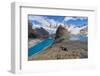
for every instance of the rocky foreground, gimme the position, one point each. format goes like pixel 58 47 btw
pixel 65 50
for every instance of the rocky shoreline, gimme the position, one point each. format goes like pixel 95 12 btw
pixel 32 42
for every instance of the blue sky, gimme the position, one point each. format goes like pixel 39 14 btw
pixel 78 21
pixel 56 18
pixel 69 20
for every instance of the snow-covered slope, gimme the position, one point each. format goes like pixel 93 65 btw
pixel 77 30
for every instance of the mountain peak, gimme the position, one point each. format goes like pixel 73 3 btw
pixel 61 33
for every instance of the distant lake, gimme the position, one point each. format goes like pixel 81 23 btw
pixel 79 37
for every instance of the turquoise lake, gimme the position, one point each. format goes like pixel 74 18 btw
pixel 40 46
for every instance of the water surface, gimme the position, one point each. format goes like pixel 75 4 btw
pixel 40 46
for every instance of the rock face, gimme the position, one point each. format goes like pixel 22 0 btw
pixel 37 32
pixel 41 32
pixel 29 27
pixel 61 34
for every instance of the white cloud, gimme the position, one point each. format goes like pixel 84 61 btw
pixel 74 18
pixel 83 18
pixel 40 19
pixel 44 21
pixel 68 18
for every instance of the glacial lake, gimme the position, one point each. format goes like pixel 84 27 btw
pixel 40 46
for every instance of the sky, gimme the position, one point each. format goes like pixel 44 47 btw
pixel 54 20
